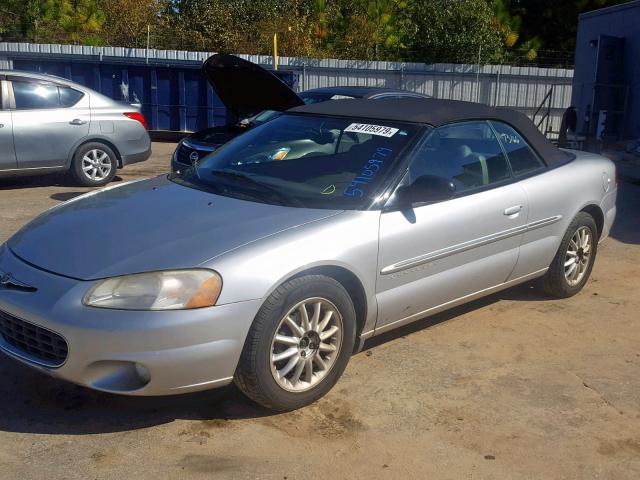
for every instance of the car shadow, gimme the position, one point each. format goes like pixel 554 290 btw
pixel 35 403
pixel 526 292
pixel 65 196
pixel 38 181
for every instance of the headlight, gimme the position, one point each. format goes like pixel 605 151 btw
pixel 169 290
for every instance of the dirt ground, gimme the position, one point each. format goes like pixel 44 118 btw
pixel 513 386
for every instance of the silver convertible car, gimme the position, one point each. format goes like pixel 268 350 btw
pixel 269 264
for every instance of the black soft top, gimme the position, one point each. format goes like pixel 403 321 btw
pixel 438 112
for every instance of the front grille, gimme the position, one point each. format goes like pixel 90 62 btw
pixel 185 151
pixel 35 343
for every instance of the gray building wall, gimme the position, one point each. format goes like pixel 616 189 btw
pixel 589 87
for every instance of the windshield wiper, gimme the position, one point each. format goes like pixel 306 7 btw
pixel 284 198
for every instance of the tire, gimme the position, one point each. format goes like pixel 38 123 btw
pixel 276 385
pixel 94 164
pixel 560 281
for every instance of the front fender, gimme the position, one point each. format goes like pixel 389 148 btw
pixel 348 241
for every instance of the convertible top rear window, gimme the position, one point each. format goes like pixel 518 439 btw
pixel 304 160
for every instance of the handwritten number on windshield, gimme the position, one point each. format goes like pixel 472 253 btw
pixel 370 169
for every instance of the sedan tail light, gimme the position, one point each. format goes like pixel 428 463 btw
pixel 138 117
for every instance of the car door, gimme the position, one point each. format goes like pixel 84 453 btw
pixel 547 207
pixel 433 255
pixel 49 120
pixel 7 152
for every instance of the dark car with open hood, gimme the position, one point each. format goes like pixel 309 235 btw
pixel 253 96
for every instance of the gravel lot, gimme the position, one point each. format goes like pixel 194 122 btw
pixel 513 386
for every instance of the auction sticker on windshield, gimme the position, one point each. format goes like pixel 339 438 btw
pixel 371 129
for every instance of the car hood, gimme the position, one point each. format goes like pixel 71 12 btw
pixel 148 225
pixel 246 88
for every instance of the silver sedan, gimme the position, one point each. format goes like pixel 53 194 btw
pixel 49 124
pixel 269 264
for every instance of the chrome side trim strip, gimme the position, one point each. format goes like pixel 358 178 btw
pixel 465 246
pixel 459 301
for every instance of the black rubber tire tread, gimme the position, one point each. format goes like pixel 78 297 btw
pixel 253 376
pixel 76 164
pixel 553 282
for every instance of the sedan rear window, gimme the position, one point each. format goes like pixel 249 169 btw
pixel 34 95
pixel 310 161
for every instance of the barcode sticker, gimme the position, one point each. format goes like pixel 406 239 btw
pixel 380 130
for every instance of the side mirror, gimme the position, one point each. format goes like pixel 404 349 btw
pixel 425 189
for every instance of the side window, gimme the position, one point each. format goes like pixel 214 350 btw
pixel 32 95
pixel 69 97
pixel 467 153
pixel 521 156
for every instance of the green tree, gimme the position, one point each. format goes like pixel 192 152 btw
pixel 126 22
pixel 65 21
pixel 455 31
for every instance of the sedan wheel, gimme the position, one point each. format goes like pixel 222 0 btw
pixel 299 343
pixel 306 344
pixel 96 165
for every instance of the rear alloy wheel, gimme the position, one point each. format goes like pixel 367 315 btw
pixel 299 344
pixel 94 165
pixel 578 256
pixel 571 267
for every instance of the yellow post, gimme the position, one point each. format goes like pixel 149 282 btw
pixel 275 51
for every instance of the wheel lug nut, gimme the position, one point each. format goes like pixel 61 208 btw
pixel 303 354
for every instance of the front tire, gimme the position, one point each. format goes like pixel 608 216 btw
pixel 299 344
pixel 572 265
pixel 94 164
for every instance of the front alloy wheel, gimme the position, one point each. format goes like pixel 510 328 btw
pixel 306 344
pixel 299 343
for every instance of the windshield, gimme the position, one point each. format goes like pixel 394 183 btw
pixel 305 161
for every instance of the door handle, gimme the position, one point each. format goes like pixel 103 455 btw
pixel 513 210
pixel 77 121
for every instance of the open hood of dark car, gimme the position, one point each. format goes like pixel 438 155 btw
pixel 246 88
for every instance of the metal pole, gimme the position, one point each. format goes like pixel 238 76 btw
pixel 304 76
pixel 478 75
pixel 148 37
pixel 275 51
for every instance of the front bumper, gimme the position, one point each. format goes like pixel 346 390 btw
pixel 126 352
